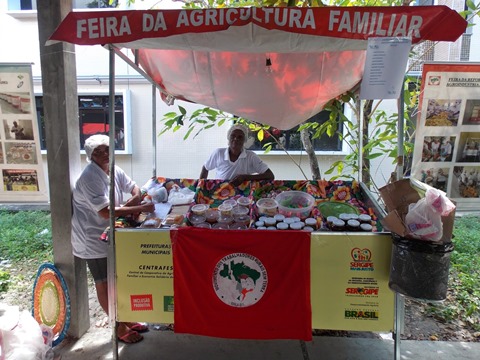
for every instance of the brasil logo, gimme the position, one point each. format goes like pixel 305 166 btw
pixel 240 280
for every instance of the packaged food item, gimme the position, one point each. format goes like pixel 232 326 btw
pixel 338 225
pixel 366 227
pixel 353 225
pixel 212 216
pixel 282 226
pixel 295 203
pixel 203 225
pixel 199 209
pixel 151 223
pixel 270 221
pixel 297 225
pixel 365 218
pixel 173 219
pixel 231 202
pixel 244 201
pixel 267 207
pixel 225 209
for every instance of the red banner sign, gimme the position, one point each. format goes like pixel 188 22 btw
pixel 360 23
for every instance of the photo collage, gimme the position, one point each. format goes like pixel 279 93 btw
pixel 20 158
pixel 447 144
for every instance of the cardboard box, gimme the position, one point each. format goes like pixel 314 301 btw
pixel 397 196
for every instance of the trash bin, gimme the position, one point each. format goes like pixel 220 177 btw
pixel 419 269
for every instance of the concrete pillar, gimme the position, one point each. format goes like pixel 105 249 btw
pixel 60 100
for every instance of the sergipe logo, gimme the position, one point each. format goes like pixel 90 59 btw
pixel 361 260
pixel 240 280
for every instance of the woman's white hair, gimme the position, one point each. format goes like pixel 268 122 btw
pixel 93 142
pixel 238 127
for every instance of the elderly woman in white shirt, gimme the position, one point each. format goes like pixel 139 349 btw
pixel 236 163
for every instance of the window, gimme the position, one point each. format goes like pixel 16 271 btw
pixel 292 142
pixel 15 5
pixel 93 111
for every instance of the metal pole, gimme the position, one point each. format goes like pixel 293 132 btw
pixel 112 301
pixel 399 302
pixel 154 130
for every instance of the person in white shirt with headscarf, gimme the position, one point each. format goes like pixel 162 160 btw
pixel 91 214
pixel 235 163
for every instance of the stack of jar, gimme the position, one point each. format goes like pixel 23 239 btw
pixel 281 222
pixel 350 222
pixel 231 214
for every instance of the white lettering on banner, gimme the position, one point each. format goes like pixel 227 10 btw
pixel 103 27
pixel 149 23
pixel 292 18
pixel 396 26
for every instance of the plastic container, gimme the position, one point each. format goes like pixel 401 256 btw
pixel 244 201
pixel 238 226
pixel 295 203
pixel 267 207
pixel 196 219
pixel 419 269
pixel 225 209
pixel 230 202
pixel 203 225
pixel 200 209
pixel 212 216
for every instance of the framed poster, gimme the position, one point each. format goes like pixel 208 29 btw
pixel 447 142
pixel 21 164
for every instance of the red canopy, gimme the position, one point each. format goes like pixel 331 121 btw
pixel 219 57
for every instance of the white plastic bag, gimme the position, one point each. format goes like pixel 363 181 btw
pixel 424 218
pixel 181 196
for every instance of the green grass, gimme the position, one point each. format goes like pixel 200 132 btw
pixel 25 235
pixel 463 301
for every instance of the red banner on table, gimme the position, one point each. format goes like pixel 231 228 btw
pixel 242 284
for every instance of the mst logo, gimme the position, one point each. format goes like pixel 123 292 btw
pixel 240 280
pixel 434 80
pixel 361 260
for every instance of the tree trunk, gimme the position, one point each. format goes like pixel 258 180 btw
pixel 307 145
pixel 365 170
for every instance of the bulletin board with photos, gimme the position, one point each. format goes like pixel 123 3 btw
pixel 20 156
pixel 447 144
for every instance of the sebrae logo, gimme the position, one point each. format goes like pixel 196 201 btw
pixel 434 80
pixel 361 260
pixel 240 280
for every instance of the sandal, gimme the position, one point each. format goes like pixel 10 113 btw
pixel 130 337
pixel 138 327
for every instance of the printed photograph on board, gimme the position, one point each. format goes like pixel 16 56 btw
pixel 438 148
pixel 15 103
pixel 443 112
pixel 465 182
pixel 21 153
pixel 469 147
pixel 472 112
pixel 20 180
pixel 435 177
pixel 18 129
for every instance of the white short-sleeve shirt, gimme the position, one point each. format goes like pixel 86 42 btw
pixel 90 195
pixel 247 163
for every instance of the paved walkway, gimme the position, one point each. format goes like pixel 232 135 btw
pixel 170 346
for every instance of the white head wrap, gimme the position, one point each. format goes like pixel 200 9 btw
pixel 238 127
pixel 93 142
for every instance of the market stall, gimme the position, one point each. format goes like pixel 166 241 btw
pixel 203 56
